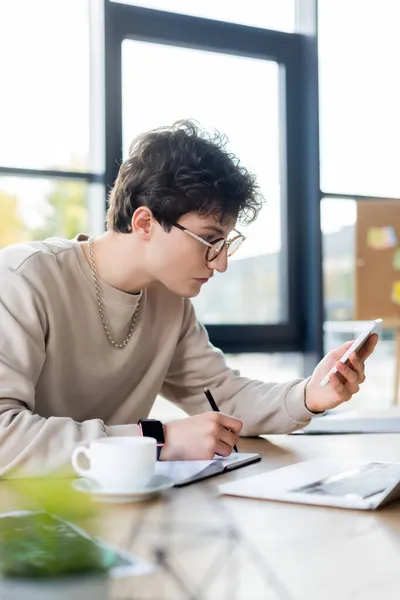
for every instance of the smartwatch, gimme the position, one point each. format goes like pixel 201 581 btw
pixel 155 429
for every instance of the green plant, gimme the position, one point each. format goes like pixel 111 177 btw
pixel 45 539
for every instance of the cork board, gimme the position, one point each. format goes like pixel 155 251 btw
pixel 377 277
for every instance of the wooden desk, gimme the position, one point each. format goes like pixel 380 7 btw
pixel 217 548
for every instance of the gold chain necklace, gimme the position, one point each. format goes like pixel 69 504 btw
pixel 101 306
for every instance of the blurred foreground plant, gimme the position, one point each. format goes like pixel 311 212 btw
pixel 44 538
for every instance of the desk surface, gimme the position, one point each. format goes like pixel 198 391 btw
pixel 217 548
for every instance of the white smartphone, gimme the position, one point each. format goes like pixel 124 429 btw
pixel 373 327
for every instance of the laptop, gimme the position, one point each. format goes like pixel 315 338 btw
pixel 354 421
pixel 364 485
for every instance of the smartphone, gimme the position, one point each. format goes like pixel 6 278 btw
pixel 373 327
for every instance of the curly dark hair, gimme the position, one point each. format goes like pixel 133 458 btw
pixel 180 169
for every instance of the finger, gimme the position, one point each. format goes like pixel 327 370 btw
pixel 351 389
pixel 232 423
pixel 348 373
pixel 340 377
pixel 339 388
pixel 369 346
pixel 338 352
pixel 223 449
pixel 358 366
pixel 228 438
pixel 345 389
pixel 218 433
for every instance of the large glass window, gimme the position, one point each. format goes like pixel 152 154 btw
pixel 268 14
pixel 204 87
pixel 339 232
pixel 34 209
pixel 338 220
pixel 359 49
pixel 44 71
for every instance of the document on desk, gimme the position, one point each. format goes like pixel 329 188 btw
pixel 368 421
pixel 343 483
pixel 184 472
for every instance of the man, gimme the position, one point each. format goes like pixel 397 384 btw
pixel 93 330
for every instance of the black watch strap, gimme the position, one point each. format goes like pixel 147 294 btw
pixel 155 429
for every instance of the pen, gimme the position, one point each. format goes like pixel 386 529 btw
pixel 215 408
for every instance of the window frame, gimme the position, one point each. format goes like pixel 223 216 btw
pixel 300 239
pixel 97 175
pixel 297 52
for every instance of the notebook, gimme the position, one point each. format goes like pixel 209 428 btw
pixel 183 472
pixel 368 421
pixel 365 485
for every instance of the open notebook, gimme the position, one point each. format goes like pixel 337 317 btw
pixel 183 472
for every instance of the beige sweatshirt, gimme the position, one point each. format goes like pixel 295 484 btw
pixel 63 384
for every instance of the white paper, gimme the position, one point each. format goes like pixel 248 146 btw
pixel 234 458
pixel 181 470
pixel 281 484
pixel 185 470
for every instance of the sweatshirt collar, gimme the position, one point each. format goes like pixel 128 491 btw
pixel 107 291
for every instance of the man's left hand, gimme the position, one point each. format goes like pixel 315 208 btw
pixel 343 384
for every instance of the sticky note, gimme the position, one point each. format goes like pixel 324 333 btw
pixel 381 238
pixel 391 237
pixel 396 260
pixel 396 292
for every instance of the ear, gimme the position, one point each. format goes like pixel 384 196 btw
pixel 142 222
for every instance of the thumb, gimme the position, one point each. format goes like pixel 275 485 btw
pixel 338 352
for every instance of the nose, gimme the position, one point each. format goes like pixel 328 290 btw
pixel 220 263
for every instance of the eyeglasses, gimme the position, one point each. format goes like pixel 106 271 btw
pixel 215 248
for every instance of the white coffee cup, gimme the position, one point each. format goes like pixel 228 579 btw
pixel 118 463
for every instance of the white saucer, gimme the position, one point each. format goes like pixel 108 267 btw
pixel 157 484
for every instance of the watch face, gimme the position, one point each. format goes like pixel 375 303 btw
pixel 153 429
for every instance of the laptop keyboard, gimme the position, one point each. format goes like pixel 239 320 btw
pixel 363 482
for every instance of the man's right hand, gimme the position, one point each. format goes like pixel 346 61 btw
pixel 200 437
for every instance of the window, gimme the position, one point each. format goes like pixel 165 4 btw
pixel 338 220
pixel 44 104
pixel 34 209
pixel 359 48
pixel 268 14
pixel 48 115
pixel 252 284
pixel 51 168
